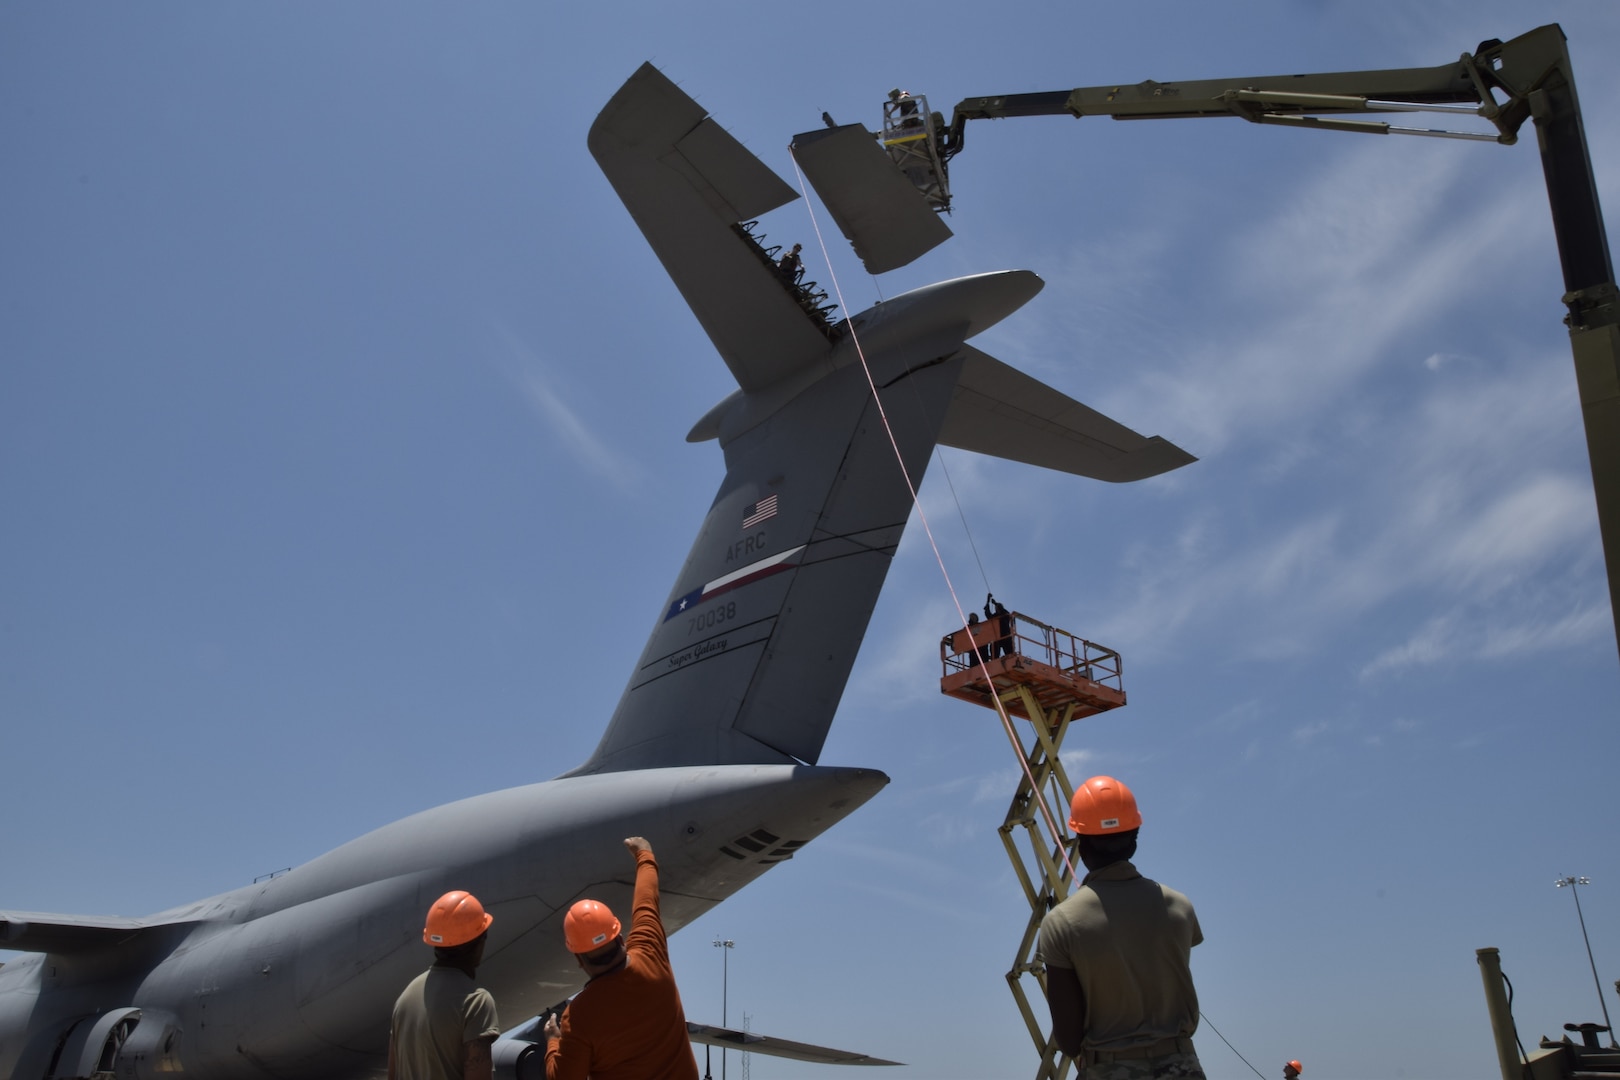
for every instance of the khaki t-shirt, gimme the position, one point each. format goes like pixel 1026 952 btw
pixel 1128 939
pixel 439 1012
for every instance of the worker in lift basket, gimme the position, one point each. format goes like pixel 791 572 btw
pixel 444 1023
pixel 628 1021
pixel 1116 952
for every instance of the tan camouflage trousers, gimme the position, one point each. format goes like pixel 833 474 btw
pixel 1168 1067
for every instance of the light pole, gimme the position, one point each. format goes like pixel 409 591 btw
pixel 1572 882
pixel 725 962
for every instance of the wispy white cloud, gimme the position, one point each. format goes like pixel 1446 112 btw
pixel 931 903
pixel 527 370
pixel 1454 637
pixel 1581 627
pixel 1520 529
pixel 1432 643
pixel 1306 734
pixel 1435 361
pixel 1237 716
pixel 954 809
pixel 1325 288
pixel 900 665
pixel 1374 479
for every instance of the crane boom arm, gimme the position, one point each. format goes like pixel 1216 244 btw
pixel 1474 83
pixel 1448 83
pixel 1505 83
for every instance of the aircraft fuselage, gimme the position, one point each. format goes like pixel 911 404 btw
pixel 282 978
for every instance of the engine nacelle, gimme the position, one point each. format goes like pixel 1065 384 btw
pixel 88 1048
pixel 519 1059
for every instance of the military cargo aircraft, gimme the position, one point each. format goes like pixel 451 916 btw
pixel 713 750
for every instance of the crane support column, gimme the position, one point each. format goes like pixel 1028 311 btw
pixel 1537 69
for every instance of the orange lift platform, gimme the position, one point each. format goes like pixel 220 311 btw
pixel 1050 678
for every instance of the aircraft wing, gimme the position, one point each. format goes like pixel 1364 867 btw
pixel 31 931
pixel 755 1043
pixel 687 183
pixel 1000 411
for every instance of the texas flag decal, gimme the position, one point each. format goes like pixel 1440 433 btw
pixel 764 568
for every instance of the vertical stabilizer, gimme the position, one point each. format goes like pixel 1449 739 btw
pixel 750 654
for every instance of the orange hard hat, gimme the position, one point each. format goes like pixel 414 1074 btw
pixel 1296 1066
pixel 455 919
pixel 588 926
pixel 1103 805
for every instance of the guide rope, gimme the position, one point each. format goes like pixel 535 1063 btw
pixel 1229 1046
pixel 1001 710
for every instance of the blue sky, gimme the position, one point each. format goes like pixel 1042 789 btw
pixel 341 420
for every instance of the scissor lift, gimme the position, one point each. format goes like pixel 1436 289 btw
pixel 1048 677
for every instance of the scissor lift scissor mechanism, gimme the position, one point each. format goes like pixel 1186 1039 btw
pixel 1048 677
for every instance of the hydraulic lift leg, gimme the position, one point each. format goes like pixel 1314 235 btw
pixel 1040 865
pixel 1050 678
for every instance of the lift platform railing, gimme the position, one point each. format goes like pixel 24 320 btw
pixel 1058 667
pixel 1035 640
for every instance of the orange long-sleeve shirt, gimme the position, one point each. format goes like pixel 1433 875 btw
pixel 629 1024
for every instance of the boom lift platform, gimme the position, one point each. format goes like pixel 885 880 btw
pixel 1048 677
pixel 911 139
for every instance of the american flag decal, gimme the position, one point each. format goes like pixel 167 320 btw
pixel 765 508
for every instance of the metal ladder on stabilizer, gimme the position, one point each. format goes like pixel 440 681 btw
pixel 1050 678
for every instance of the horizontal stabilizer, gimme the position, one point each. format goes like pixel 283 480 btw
pixel 1000 411
pixel 655 117
pixel 885 217
pixel 29 931
pixel 689 185
pixel 755 1043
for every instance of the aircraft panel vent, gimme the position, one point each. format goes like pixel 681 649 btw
pixel 785 852
pixel 764 845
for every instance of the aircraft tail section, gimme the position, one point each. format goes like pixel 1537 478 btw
pixel 750 654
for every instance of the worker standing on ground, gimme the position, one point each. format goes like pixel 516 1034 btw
pixel 1292 1069
pixel 628 1021
pixel 1116 953
pixel 444 1023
